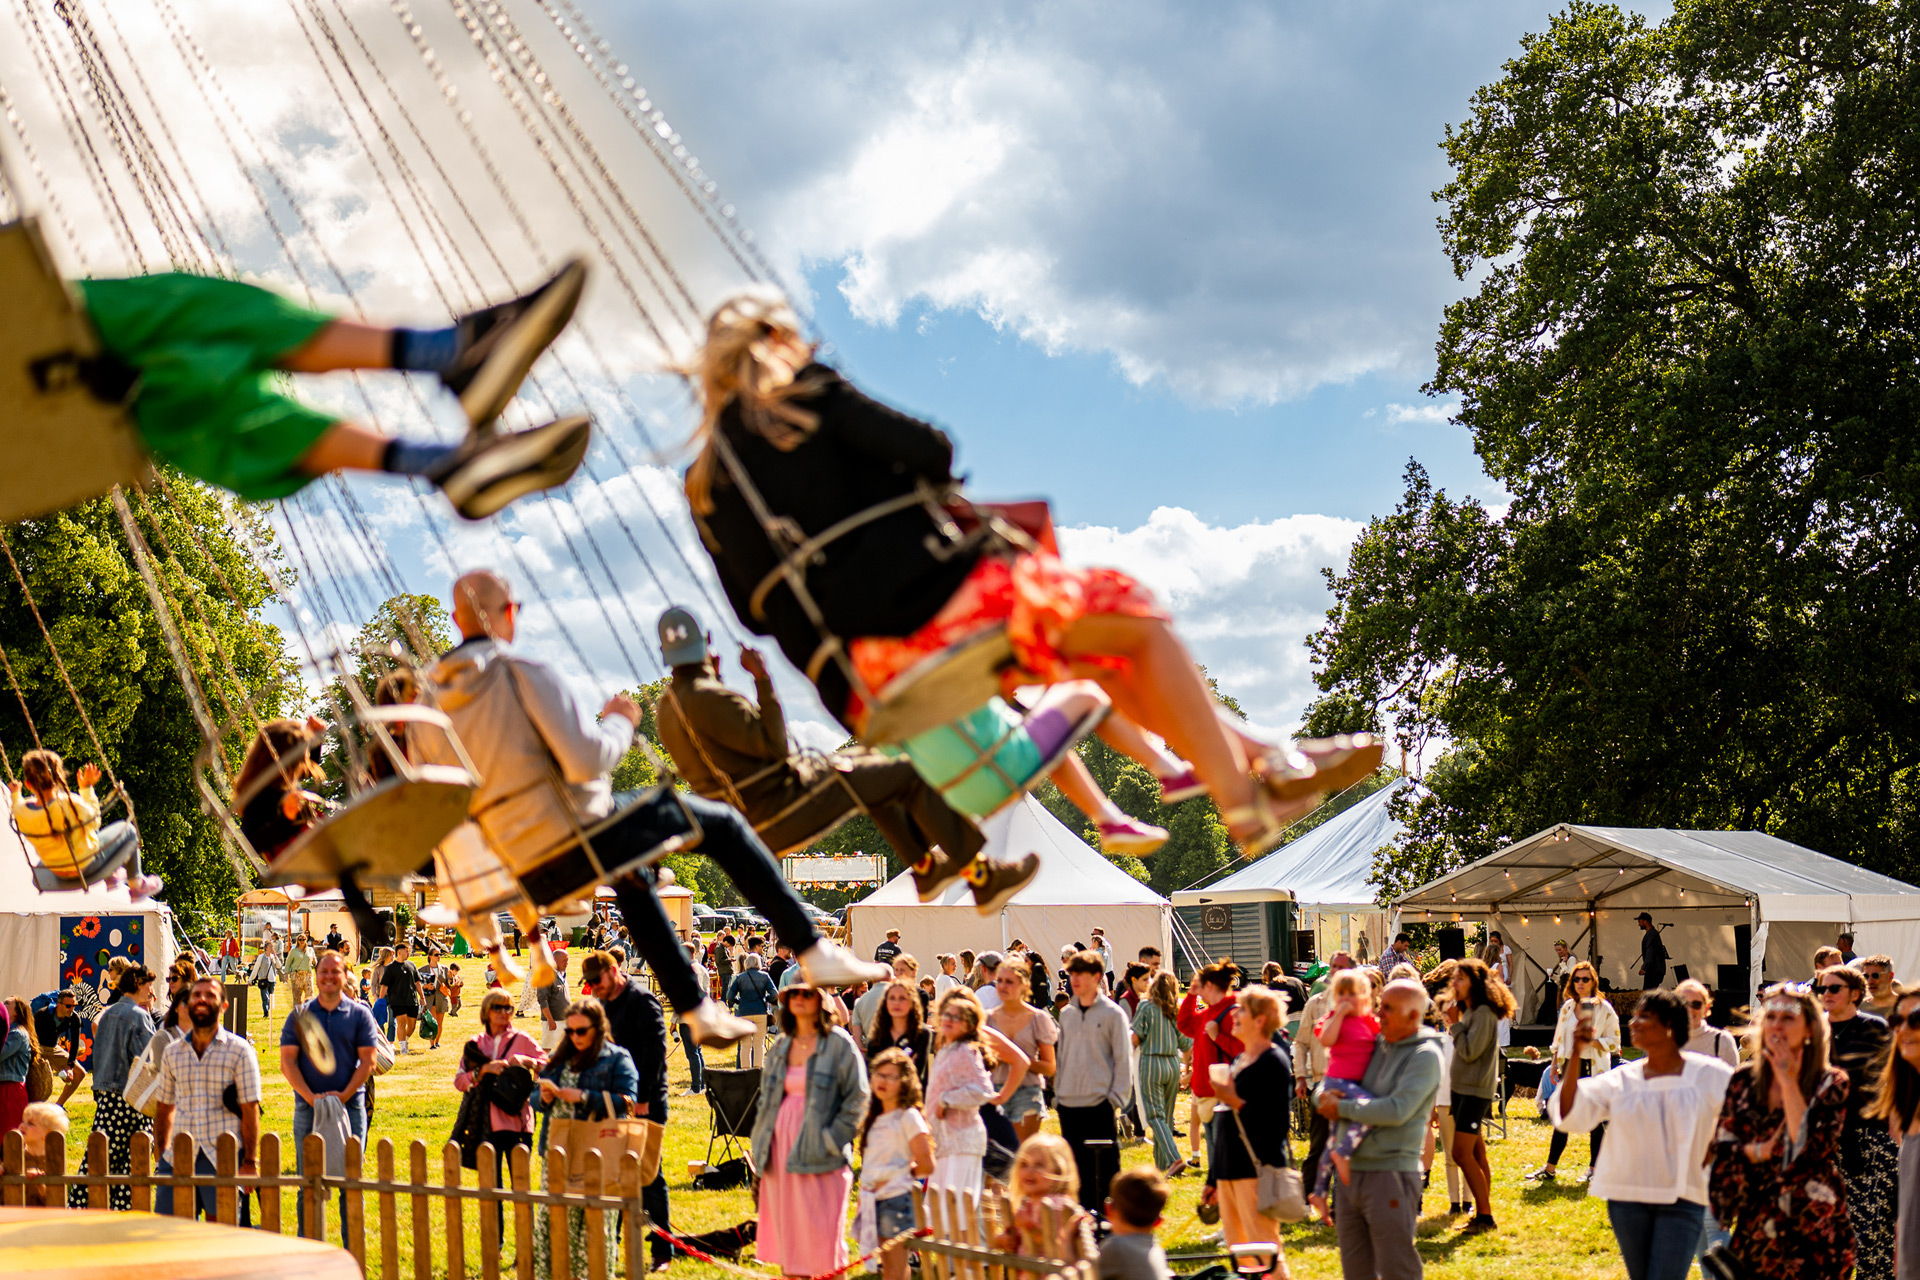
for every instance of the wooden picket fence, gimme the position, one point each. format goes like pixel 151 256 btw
pixel 386 1189
pixel 964 1228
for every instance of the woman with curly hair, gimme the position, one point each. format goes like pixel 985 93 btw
pixel 1480 1001
pixel 1777 1183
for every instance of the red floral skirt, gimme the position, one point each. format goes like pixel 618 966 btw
pixel 1036 596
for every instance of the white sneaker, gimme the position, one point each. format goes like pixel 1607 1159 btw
pixel 828 964
pixel 714 1027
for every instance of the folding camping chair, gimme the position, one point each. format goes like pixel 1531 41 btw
pixel 733 1102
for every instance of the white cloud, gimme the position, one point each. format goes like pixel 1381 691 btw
pixel 1230 198
pixel 1437 413
pixel 1244 598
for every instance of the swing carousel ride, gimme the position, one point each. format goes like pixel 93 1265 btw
pixel 481 142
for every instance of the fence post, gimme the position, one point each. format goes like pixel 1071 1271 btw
pixel 594 1221
pixel 313 1192
pixel 140 1165
pixel 353 1221
pixel 13 1157
pixel 226 1163
pixel 637 1223
pixel 450 1179
pixel 269 1195
pixel 486 1175
pixel 559 1245
pixel 56 1159
pixel 184 1192
pixel 420 1217
pixel 389 1220
pixel 95 1164
pixel 522 1162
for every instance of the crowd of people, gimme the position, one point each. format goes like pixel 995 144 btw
pixel 1790 1148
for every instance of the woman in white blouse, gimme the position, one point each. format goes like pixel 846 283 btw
pixel 1580 998
pixel 1661 1112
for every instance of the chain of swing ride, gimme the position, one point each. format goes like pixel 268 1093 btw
pixel 194 240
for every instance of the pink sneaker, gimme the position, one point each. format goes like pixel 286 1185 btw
pixel 147 887
pixel 1131 837
pixel 1184 785
pixel 115 878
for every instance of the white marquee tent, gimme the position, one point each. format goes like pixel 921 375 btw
pixel 1586 885
pixel 1075 890
pixel 1325 873
pixel 30 923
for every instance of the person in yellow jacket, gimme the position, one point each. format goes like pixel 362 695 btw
pixel 63 825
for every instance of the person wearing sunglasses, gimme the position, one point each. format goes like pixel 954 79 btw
pixel 1897 1104
pixel 1868 1156
pixel 585 1072
pixel 1576 1058
pixel 1715 1042
pixel 1881 995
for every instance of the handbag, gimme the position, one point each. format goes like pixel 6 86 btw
pixel 613 1137
pixel 142 1091
pixel 1718 1263
pixel 1281 1195
pixel 39 1079
pixel 382 1052
pixel 470 1126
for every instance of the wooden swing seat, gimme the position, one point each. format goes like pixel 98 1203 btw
pixel 111 856
pixel 66 446
pixel 387 833
pixel 940 689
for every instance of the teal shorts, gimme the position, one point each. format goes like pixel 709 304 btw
pixel 949 757
pixel 206 350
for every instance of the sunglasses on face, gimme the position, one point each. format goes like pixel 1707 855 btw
pixel 1833 988
pixel 1911 1022
pixel 579 1031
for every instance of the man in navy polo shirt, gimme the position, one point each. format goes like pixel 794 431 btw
pixel 349 1026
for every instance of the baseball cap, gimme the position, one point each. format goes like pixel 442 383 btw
pixel 682 642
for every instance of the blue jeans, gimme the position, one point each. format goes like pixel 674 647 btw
pixel 204 1202
pixel 1657 1241
pixel 696 1060
pixel 302 1126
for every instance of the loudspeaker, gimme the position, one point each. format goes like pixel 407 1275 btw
pixel 1453 943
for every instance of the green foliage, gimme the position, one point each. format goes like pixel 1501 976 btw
pixel 1692 357
pixel 81 575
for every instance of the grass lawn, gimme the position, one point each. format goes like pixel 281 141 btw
pixel 1545 1234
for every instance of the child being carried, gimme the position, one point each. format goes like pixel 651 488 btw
pixel 1350 1033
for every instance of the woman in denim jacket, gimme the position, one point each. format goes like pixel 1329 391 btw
pixel 582 1075
pixel 813 1100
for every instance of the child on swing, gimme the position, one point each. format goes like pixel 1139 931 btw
pixel 63 825
pixel 194 359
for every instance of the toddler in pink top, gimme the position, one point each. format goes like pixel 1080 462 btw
pixel 1350 1033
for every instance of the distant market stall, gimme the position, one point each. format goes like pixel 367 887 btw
pixel 1719 898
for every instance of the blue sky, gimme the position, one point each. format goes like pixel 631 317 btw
pixel 1172 265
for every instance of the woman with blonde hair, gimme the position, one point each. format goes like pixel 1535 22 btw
pixel 1254 1125
pixel 1777 1185
pixel 786 442
pixel 1580 999
pixel 1036 1033
pixel 1046 1184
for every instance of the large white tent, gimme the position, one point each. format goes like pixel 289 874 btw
pixel 30 923
pixel 1587 885
pixel 1075 890
pixel 1326 874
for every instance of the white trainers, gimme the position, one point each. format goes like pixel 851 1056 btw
pixel 828 964
pixel 714 1027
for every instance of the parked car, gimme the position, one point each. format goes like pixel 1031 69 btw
pixel 707 920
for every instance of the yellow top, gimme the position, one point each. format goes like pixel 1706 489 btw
pixel 67 835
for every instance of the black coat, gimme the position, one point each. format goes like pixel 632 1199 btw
pixel 881 579
pixel 636 1022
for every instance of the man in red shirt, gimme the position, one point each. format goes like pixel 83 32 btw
pixel 1203 1018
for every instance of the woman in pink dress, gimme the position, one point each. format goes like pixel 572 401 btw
pixel 813 1099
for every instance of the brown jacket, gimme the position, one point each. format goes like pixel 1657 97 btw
pixel 747 743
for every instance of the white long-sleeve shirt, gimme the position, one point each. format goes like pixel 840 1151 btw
pixel 1658 1129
